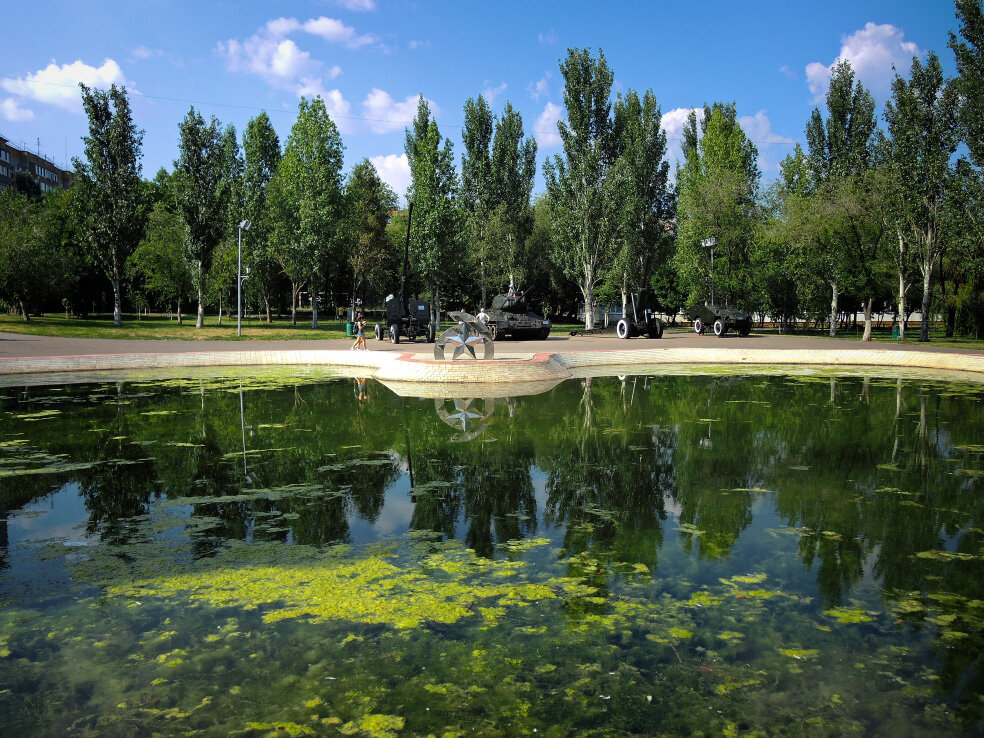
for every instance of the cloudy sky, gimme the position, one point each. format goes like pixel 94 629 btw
pixel 370 59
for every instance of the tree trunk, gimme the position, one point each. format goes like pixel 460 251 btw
pixel 867 320
pixel 314 306
pixel 200 323
pixel 903 288
pixel 117 307
pixel 220 307
pixel 833 309
pixel 179 311
pixel 24 313
pixel 927 284
pixel 266 302
pixel 587 288
pixel 295 288
pixel 625 295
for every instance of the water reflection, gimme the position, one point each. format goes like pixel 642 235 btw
pixel 845 489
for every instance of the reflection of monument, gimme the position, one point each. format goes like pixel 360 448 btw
pixel 465 415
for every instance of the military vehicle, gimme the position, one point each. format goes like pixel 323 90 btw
pixel 643 320
pixel 720 319
pixel 511 318
pixel 409 320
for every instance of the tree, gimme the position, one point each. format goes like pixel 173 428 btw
pixel 970 75
pixel 261 149
pixel 718 190
pixel 476 195
pixel 368 204
pixel 923 135
pixel 433 190
pixel 109 195
pixel 223 272
pixel 512 174
pixel 645 233
pixel 841 157
pixel 307 199
pixel 200 196
pixel 22 264
pixel 582 193
pixel 160 258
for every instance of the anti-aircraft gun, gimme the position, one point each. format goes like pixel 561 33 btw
pixel 406 318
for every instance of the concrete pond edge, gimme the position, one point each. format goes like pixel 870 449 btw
pixel 531 369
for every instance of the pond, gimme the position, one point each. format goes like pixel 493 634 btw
pixel 289 553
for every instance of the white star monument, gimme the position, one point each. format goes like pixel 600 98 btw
pixel 470 339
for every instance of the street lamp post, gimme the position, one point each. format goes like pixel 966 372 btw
pixel 243 226
pixel 711 243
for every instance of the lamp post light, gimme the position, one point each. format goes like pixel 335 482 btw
pixel 243 226
pixel 710 243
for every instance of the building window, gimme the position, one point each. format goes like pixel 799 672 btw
pixel 4 171
pixel 5 155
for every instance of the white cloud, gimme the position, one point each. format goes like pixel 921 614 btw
pixel 279 62
pixel 394 170
pixel 541 87
pixel 549 38
pixel 143 52
pixel 414 45
pixel 491 93
pixel 545 128
pixel 11 111
pixel 337 106
pixel 357 6
pixel 337 32
pixel 787 72
pixel 384 114
pixel 59 85
pixel 772 147
pixel 872 52
pixel 673 123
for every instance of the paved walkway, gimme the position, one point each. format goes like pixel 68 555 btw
pixel 13 345
pixel 551 360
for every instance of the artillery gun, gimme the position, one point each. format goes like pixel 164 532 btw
pixel 720 319
pixel 643 320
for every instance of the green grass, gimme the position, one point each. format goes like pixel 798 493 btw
pixel 157 327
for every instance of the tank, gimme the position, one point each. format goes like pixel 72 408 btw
pixel 510 317
pixel 720 319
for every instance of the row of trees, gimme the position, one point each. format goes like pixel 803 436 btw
pixel 863 218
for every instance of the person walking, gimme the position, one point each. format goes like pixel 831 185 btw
pixel 360 333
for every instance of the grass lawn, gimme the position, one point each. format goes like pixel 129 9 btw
pixel 158 327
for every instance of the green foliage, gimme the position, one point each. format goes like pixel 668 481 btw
pixel 372 257
pixel 110 209
pixel 583 194
pixel 160 259
pixel 433 191
pixel 718 188
pixel 201 196
pixel 261 149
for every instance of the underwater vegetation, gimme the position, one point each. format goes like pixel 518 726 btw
pixel 706 554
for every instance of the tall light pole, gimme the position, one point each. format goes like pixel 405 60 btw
pixel 243 226
pixel 710 242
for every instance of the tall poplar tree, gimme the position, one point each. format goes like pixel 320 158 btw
pixel 261 156
pixel 718 187
pixel 841 158
pixel 308 196
pixel 582 194
pixel 110 208
pixel 433 191
pixel 512 175
pixel 369 201
pixel 476 194
pixel 647 200
pixel 200 196
pixel 923 135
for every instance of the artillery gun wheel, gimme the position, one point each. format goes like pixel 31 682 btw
pixel 493 331
pixel 394 331
pixel 699 326
pixel 720 328
pixel 623 329
pixel 656 330
pixel 430 333
pixel 379 332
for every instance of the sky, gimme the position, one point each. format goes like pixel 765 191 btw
pixel 370 59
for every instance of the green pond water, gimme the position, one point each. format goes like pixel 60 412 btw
pixel 288 553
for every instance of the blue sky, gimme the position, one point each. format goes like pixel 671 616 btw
pixel 370 59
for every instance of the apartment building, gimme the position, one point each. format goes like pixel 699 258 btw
pixel 48 175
